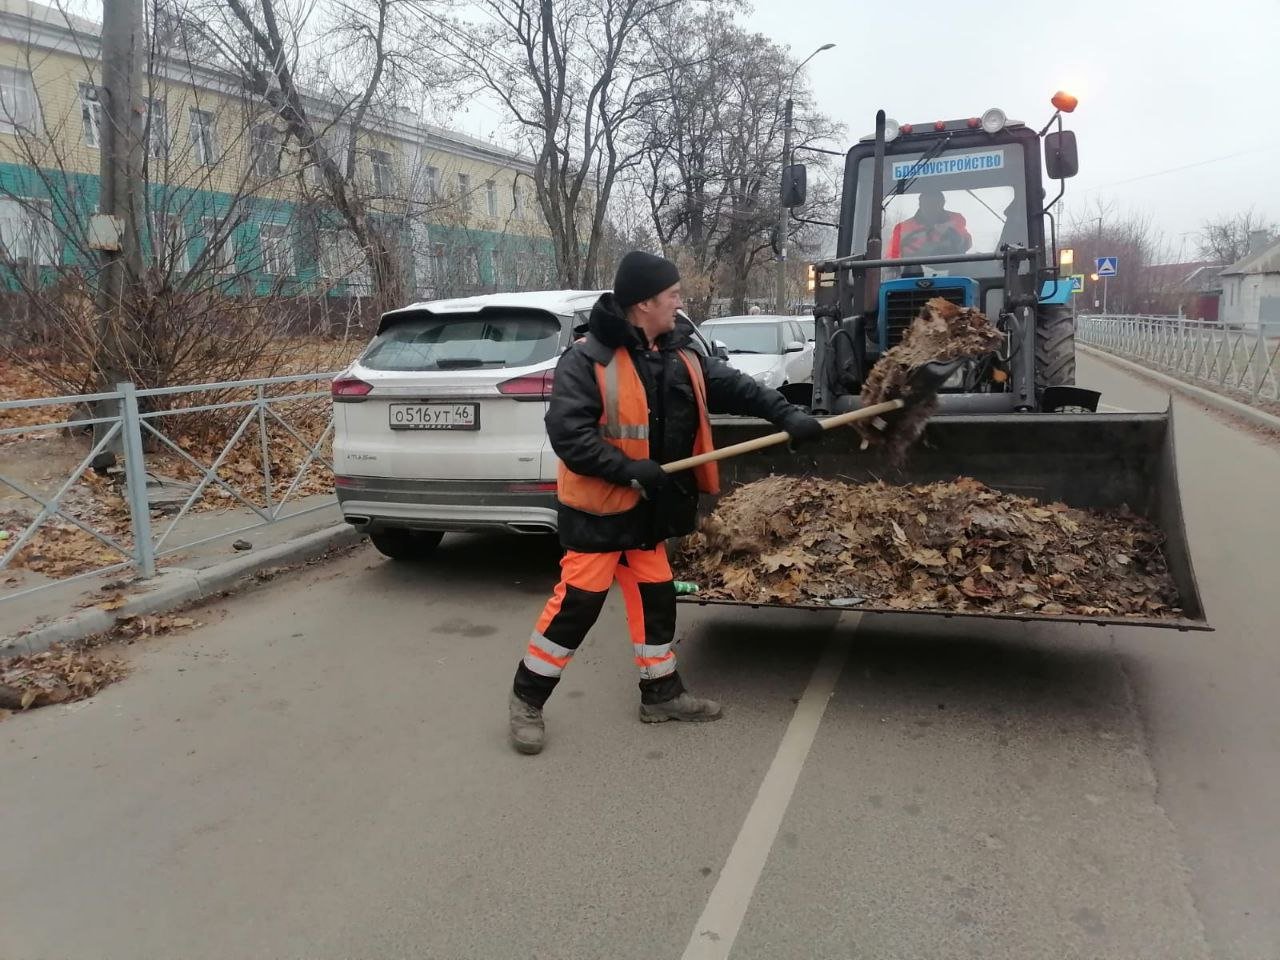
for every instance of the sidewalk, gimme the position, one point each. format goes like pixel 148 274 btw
pixel 35 610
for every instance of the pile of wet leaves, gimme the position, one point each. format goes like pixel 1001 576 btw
pixel 955 545
pixel 942 332
pixel 59 675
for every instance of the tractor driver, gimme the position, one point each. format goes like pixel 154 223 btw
pixel 933 231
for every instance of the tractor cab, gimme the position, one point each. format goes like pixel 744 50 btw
pixel 954 209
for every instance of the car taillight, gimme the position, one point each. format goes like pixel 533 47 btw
pixel 534 386
pixel 349 389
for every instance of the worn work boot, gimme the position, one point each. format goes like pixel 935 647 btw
pixel 528 731
pixel 683 707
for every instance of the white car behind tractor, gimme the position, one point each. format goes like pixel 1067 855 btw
pixel 776 351
pixel 438 425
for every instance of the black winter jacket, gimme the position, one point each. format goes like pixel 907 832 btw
pixel 573 424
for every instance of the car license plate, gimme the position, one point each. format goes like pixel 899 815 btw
pixel 435 416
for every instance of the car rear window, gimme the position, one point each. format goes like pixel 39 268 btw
pixel 489 341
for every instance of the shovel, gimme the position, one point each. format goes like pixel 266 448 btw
pixel 925 382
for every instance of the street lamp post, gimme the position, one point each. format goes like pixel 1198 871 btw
pixel 780 298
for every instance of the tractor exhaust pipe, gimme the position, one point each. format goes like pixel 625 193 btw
pixel 875 228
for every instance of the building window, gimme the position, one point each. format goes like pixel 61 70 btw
pixel 517 201
pixel 332 144
pixel 383 172
pixel 491 197
pixel 340 257
pixel 18 106
pixel 464 191
pixel 157 130
pixel 439 266
pixel 168 244
pixel 27 232
pixel 329 259
pixel 223 257
pixel 277 253
pixel 471 266
pixel 203 137
pixel 91 115
pixel 264 150
pixel 433 183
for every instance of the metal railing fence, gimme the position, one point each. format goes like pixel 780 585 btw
pixel 1243 360
pixel 142 424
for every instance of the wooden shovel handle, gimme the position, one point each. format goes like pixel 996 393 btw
pixel 773 439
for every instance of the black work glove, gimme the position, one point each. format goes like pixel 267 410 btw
pixel 801 427
pixel 648 476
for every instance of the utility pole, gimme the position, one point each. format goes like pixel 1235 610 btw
pixel 780 291
pixel 115 233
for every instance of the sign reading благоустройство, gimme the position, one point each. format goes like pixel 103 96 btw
pixel 953 163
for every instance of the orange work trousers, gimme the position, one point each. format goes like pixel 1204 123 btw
pixel 649 595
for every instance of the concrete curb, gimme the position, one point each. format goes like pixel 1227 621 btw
pixel 179 586
pixel 1208 397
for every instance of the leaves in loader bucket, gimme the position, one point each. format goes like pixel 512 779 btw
pixel 941 333
pixel 956 545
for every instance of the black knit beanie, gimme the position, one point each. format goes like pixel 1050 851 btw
pixel 641 276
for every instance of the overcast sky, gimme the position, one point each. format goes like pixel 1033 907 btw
pixel 1158 90
pixel 1178 113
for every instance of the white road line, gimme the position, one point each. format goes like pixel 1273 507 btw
pixel 717 928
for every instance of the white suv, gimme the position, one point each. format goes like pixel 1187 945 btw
pixel 438 426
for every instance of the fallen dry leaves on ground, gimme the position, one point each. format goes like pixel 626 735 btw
pixel 956 545
pixel 19 383
pixel 61 549
pixel 55 676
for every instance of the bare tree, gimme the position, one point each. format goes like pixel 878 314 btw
pixel 713 153
pixel 1225 239
pixel 359 72
pixel 211 300
pixel 574 77
pixel 1105 230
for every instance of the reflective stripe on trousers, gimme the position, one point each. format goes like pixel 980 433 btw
pixel 644 577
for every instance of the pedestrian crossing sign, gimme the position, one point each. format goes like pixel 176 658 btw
pixel 1077 283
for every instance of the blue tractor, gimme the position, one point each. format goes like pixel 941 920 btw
pixel 958 209
pixel 954 209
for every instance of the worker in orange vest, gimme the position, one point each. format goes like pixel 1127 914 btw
pixel 933 231
pixel 630 395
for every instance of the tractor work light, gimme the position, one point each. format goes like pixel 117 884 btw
pixel 993 120
pixel 891 130
pixel 1064 101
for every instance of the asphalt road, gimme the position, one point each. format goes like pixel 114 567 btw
pixel 321 772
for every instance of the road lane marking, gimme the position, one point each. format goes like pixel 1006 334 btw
pixel 721 919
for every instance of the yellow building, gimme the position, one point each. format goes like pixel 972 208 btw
pixel 226 191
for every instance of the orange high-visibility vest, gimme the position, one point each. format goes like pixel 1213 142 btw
pixel 624 423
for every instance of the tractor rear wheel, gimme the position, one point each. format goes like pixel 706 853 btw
pixel 1055 347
